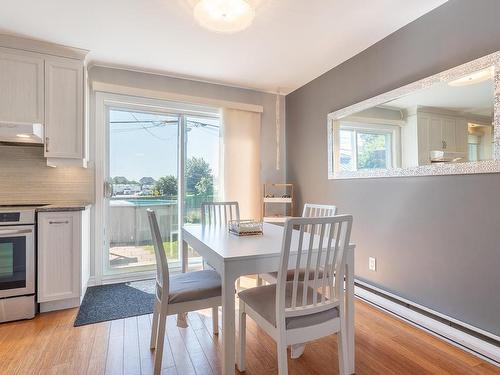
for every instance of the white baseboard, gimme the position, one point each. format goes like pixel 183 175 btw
pixel 463 340
pixel 59 305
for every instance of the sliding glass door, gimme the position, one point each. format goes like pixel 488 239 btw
pixel 163 158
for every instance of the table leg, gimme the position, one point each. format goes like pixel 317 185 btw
pixel 185 248
pixel 228 324
pixel 350 310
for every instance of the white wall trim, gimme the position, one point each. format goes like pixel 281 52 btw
pixel 165 95
pixel 135 69
pixel 467 342
pixel 40 46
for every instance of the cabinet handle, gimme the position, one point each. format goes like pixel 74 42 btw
pixel 46 144
pixel 59 222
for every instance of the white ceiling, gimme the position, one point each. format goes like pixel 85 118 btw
pixel 290 42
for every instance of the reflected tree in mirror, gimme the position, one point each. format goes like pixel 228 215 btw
pixel 372 151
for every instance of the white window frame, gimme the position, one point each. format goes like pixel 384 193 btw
pixel 100 155
pixel 368 126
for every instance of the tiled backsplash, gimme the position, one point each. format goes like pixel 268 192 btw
pixel 26 178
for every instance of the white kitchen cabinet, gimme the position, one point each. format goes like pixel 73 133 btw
pixel 440 132
pixel 64 130
pixel 443 133
pixel 62 259
pixel 43 83
pixel 22 87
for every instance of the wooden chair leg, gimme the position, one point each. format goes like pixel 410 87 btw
pixel 241 355
pixel 342 345
pixel 160 340
pixel 215 320
pixel 154 327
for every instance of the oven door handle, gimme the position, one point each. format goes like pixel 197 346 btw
pixel 8 232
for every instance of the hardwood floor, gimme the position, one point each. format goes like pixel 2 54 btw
pixel 385 345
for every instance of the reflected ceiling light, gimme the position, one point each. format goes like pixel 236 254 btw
pixel 22 136
pixel 224 16
pixel 473 78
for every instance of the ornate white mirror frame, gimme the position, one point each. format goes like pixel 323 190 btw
pixel 486 166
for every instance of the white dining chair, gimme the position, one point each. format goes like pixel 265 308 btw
pixel 310 210
pixel 294 312
pixel 180 293
pixel 219 213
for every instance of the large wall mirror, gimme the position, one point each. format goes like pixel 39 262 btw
pixel 445 124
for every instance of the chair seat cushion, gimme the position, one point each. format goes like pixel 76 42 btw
pixel 263 300
pixel 302 271
pixel 192 286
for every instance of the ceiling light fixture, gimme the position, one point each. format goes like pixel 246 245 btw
pixel 224 16
pixel 473 78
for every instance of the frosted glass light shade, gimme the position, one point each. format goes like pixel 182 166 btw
pixel 224 16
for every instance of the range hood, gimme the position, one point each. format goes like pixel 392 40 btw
pixel 447 157
pixel 21 133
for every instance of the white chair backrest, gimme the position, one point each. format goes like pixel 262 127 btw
pixel 162 274
pixel 318 210
pixel 219 213
pixel 320 253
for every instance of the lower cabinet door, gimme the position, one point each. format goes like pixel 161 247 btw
pixel 59 238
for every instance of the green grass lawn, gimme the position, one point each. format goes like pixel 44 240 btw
pixel 171 249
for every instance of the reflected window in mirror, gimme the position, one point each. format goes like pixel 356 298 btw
pixel 363 147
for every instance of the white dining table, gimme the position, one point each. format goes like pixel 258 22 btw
pixel 234 256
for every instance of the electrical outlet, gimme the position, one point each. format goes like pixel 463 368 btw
pixel 372 264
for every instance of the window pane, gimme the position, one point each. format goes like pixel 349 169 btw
pixel 143 166
pixel 347 150
pixel 373 150
pixel 473 152
pixel 201 168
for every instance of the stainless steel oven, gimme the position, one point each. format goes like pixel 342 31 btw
pixel 17 263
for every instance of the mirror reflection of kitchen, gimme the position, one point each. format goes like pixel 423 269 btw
pixel 445 123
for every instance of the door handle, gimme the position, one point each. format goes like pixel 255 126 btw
pixel 59 222
pixel 108 188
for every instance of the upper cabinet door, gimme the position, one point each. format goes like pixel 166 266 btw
pixel 64 129
pixel 449 134
pixel 21 87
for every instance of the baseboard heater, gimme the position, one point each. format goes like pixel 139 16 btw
pixel 471 339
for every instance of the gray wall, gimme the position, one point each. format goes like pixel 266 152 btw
pixel 436 239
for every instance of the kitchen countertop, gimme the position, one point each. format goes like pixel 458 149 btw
pixel 69 206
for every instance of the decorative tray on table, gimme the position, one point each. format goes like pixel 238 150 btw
pixel 245 227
